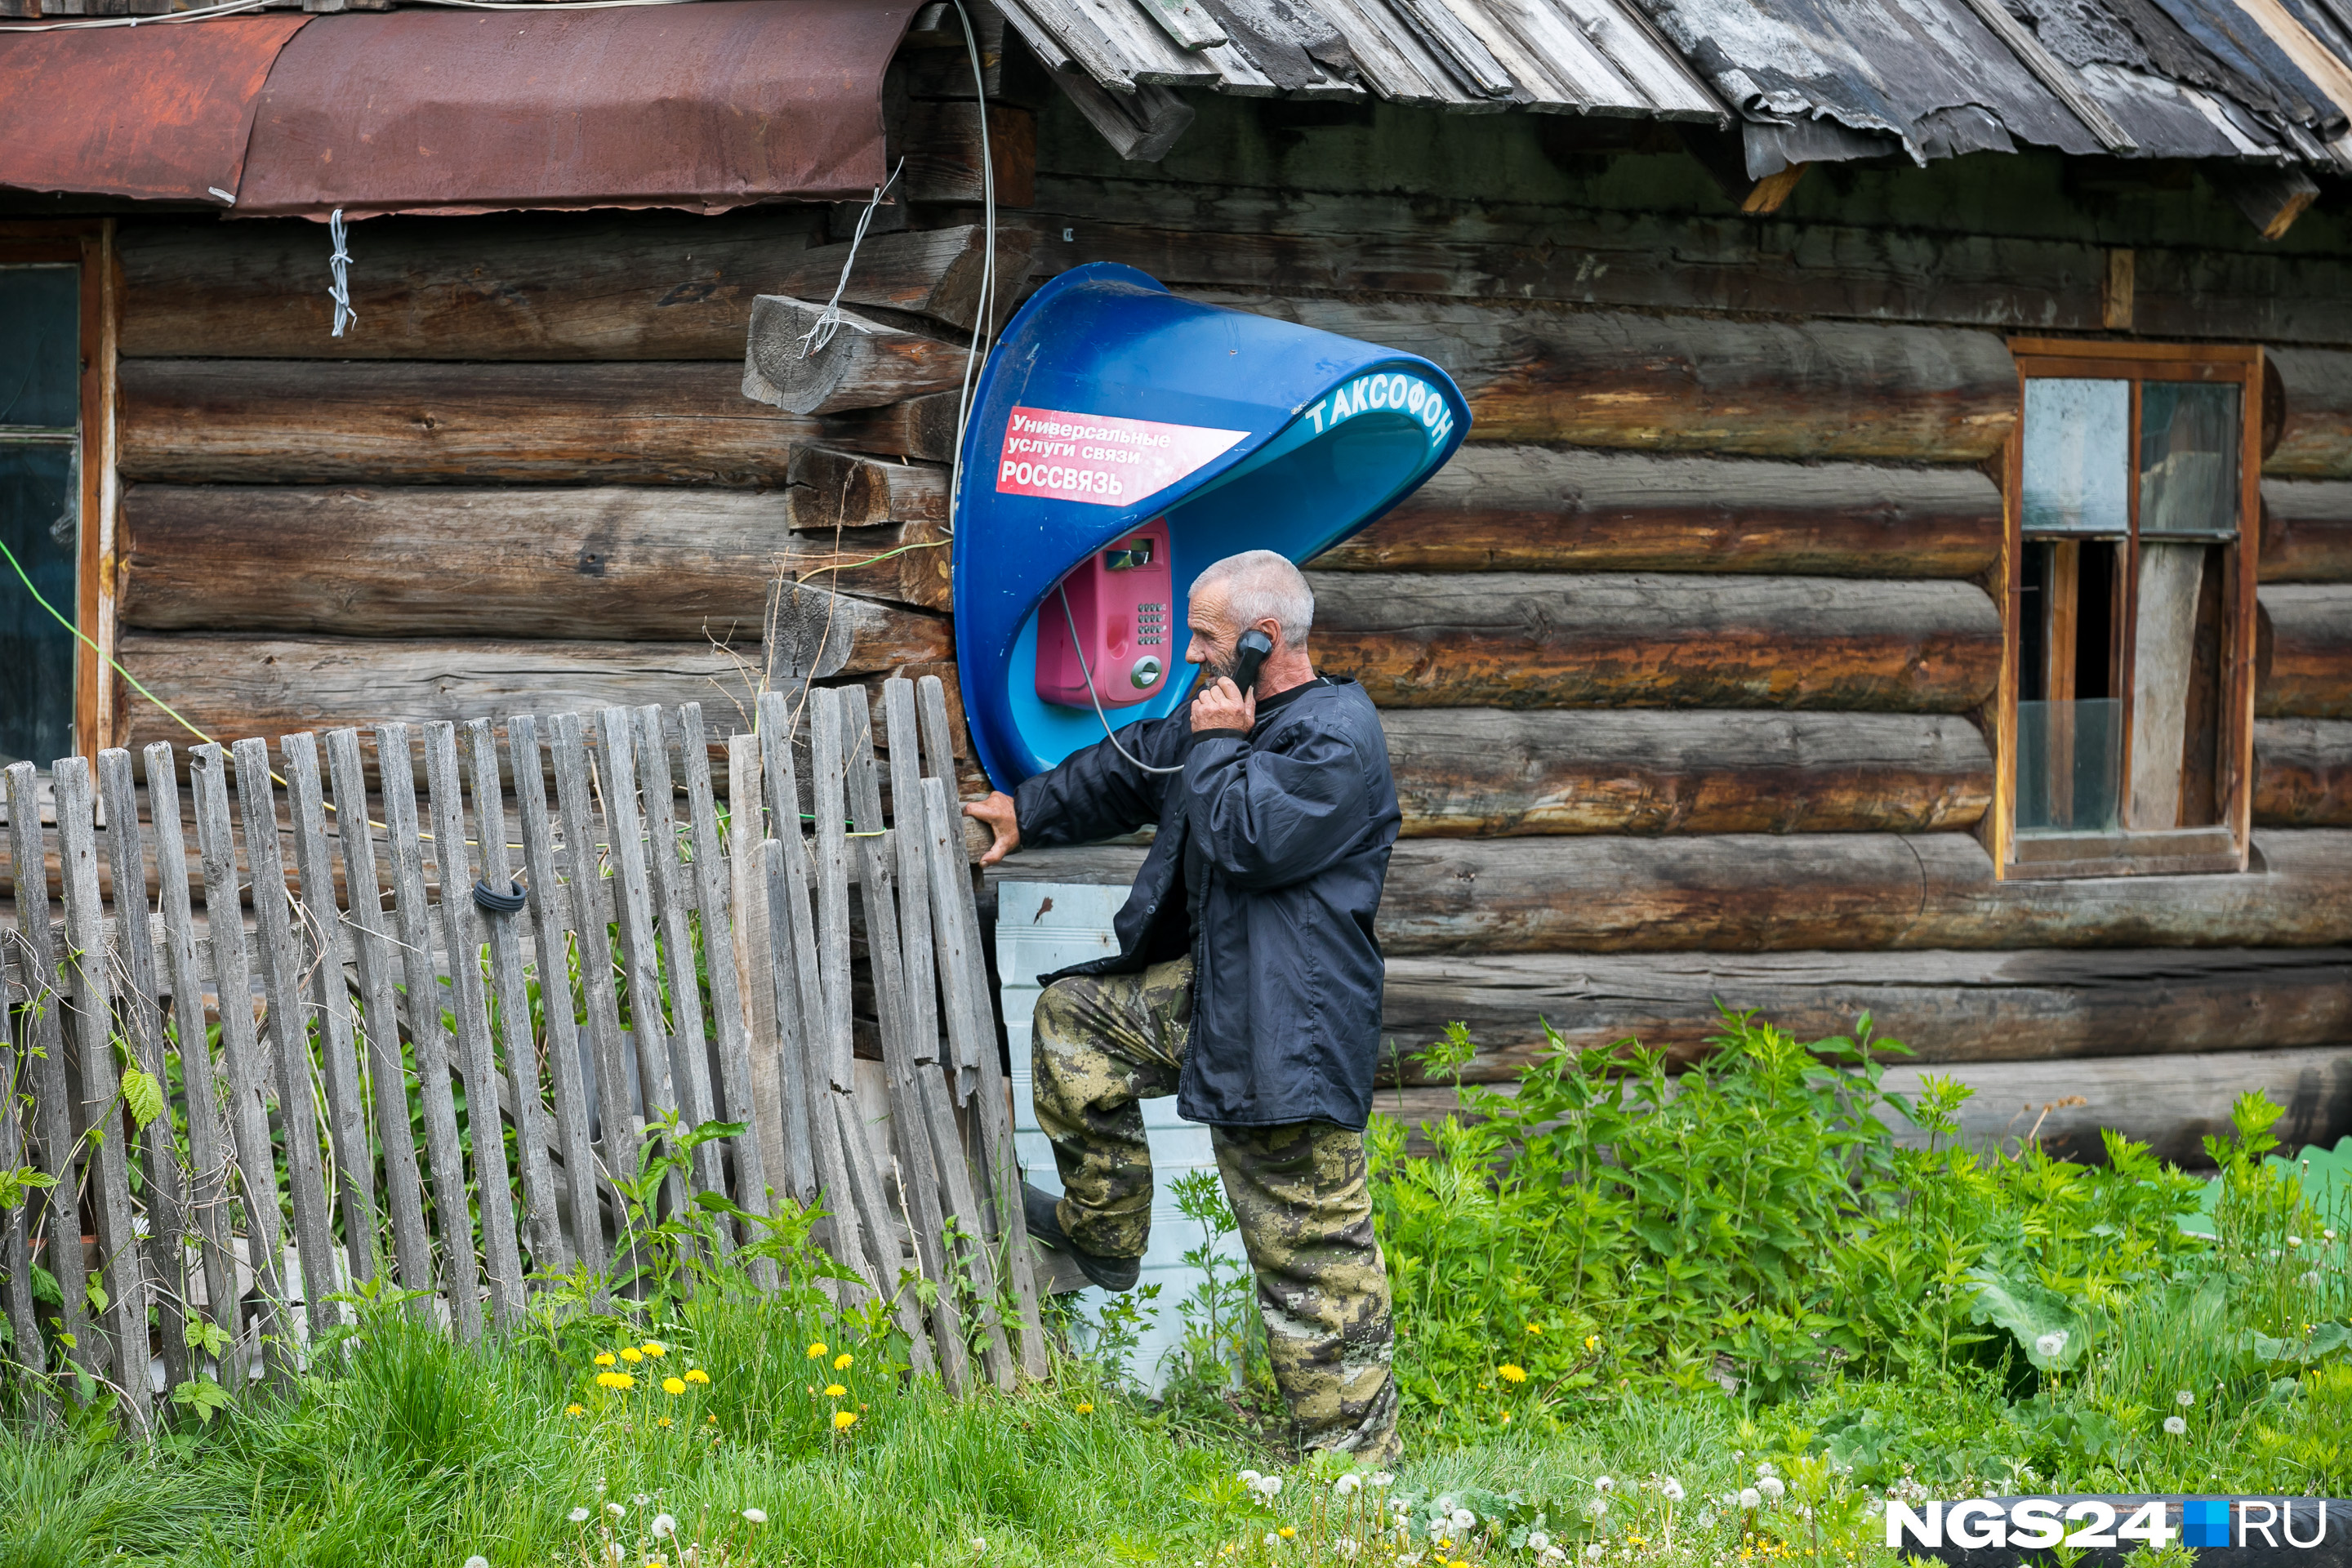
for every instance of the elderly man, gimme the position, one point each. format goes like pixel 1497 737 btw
pixel 1247 985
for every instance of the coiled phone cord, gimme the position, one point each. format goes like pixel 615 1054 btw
pixel 1078 644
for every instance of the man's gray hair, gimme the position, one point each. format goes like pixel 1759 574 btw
pixel 1263 585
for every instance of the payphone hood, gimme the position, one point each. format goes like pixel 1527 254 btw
pixel 1110 400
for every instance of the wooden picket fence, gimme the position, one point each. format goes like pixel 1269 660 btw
pixel 361 996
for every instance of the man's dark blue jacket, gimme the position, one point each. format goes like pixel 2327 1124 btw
pixel 1273 848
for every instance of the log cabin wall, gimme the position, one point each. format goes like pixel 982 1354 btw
pixel 1686 660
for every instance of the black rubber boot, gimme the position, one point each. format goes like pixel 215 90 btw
pixel 1045 1226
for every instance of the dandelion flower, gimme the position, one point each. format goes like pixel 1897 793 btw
pixel 841 1362
pixel 696 1375
pixel 817 1351
pixel 834 1391
pixel 1751 1498
pixel 1671 1490
pixel 673 1386
pixel 1287 1532
pixel 663 1422
pixel 2176 1425
pixel 575 1410
pixel 631 1354
pixel 2053 1344
pixel 603 1358
pixel 1592 1342
pixel 1349 1483
pixel 615 1380
pixel 655 1348
pixel 756 1515
pixel 843 1420
pixel 2184 1399
pixel 1086 1407
pixel 1605 1485
pixel 1509 1372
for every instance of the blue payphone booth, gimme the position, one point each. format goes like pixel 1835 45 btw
pixel 1122 439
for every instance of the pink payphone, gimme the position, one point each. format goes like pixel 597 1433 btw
pixel 1118 600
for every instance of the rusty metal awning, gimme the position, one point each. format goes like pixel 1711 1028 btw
pixel 707 107
pixel 154 114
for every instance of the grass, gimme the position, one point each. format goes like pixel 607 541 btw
pixel 1712 1376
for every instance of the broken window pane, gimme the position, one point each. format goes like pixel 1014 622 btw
pixel 2069 765
pixel 2077 455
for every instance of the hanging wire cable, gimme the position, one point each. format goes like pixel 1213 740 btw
pixel 830 319
pixel 338 263
pixel 1108 734
pixel 984 329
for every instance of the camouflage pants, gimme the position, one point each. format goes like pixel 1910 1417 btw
pixel 1103 1043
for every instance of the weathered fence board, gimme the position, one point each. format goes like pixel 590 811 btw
pixel 570 1006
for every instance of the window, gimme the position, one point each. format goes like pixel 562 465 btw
pixel 53 406
pixel 2126 701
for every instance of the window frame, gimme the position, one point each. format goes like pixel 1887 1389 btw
pixel 89 244
pixel 2137 852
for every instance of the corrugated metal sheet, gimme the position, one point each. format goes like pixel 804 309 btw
pixel 1811 81
pixel 153 113
pixel 1587 57
pixel 705 107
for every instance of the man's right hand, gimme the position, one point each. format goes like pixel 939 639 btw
pixel 997 812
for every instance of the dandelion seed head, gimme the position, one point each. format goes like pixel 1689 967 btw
pixel 2053 1344
pixel 615 1509
pixel 1348 1484
pixel 578 1516
pixel 1537 1541
pixel 1605 1485
pixel 1272 1538
pixel 1751 1498
pixel 1772 1486
pixel 478 1561
pixel 1671 1490
pixel 756 1515
pixel 2176 1425
pixel 664 1527
pixel 2184 1399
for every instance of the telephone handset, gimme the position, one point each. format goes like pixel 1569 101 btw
pixel 1251 654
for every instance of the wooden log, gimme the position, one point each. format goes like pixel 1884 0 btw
pixel 2316 432
pixel 1945 1006
pixel 925 272
pixel 600 286
pixel 1766 893
pixel 864 364
pixel 1478 773
pixel 1590 378
pixel 920 428
pixel 2306 530
pixel 1626 640
pixel 1537 508
pixel 240 686
pixel 2171 1103
pixel 1344 222
pixel 2304 656
pixel 842 489
pixel 507 563
pixel 2303 773
pixel 941 140
pixel 255 421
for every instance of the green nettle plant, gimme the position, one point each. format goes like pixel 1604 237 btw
pixel 1776 1222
